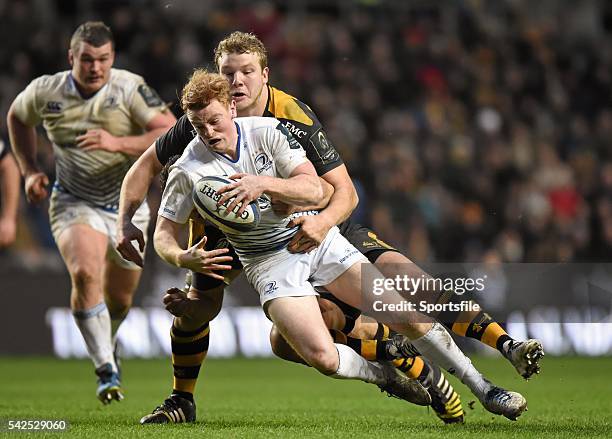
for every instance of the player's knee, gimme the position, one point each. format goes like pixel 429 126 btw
pixel 332 315
pixel 83 278
pixel 275 342
pixel 209 305
pixel 324 359
pixel 119 309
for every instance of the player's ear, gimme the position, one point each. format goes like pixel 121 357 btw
pixel 70 57
pixel 264 74
pixel 233 109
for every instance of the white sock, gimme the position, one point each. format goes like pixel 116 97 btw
pixel 95 326
pixel 352 366
pixel 439 347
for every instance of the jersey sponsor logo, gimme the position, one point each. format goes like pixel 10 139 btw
pixel 269 288
pixel 150 96
pixel 326 152
pixel 293 143
pixel 170 211
pixel 110 103
pixel 211 193
pixel 264 203
pixel 262 162
pixel 54 107
pixel 349 253
pixel 295 130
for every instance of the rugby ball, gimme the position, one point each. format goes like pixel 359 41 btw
pixel 205 198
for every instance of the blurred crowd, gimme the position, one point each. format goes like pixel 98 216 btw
pixel 474 130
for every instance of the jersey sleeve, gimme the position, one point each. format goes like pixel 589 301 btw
pixel 321 152
pixel 314 140
pixel 145 104
pixel 175 140
pixel 177 204
pixel 27 104
pixel 286 151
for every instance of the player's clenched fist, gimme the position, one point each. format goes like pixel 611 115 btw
pixel 36 187
pixel 176 302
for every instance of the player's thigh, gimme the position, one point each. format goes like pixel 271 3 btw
pixel 299 321
pixel 83 250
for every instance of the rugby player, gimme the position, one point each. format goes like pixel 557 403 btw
pixel 9 196
pixel 99 119
pixel 273 102
pixel 285 280
pixel 242 58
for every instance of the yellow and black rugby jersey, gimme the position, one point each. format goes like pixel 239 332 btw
pixel 297 117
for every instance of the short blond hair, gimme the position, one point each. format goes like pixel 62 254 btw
pixel 242 42
pixel 202 88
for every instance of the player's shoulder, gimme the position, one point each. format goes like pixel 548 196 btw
pixel 194 156
pixel 284 106
pixel 125 76
pixel 51 82
pixel 252 123
pixel 126 80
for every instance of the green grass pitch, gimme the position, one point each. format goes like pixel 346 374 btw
pixel 270 398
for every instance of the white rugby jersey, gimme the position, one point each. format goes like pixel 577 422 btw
pixel 264 147
pixel 123 107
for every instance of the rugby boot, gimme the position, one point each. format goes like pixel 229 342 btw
pixel 109 385
pixel 173 410
pixel 525 356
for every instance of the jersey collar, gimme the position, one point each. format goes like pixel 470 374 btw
pixel 74 90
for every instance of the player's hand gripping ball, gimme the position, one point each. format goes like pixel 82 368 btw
pixel 205 198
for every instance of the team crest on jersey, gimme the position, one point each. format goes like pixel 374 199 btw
pixel 149 95
pixel 262 163
pixel 54 107
pixel 110 103
pixel 325 151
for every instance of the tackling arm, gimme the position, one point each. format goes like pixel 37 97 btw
pixel 134 189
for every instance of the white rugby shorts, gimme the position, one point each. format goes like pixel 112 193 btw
pixel 286 274
pixel 66 210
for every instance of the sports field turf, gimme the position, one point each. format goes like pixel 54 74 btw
pixel 270 398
